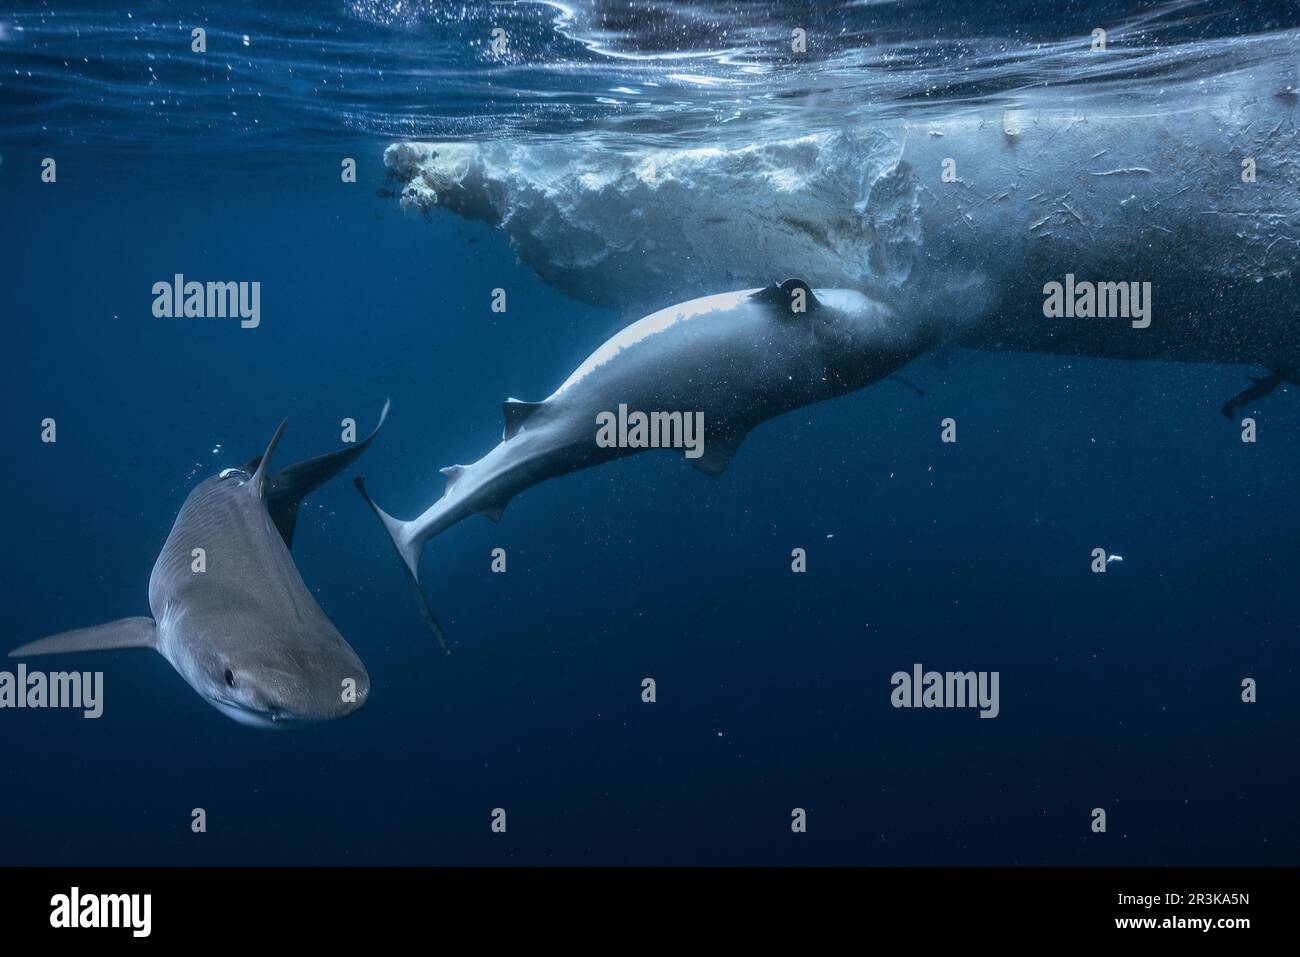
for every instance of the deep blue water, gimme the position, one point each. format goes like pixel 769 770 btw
pixel 1119 690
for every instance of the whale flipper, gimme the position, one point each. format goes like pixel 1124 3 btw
pixel 1263 385
pixel 718 452
pixel 123 633
pixel 915 388
pixel 286 489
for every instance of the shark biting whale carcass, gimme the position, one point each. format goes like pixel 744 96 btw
pixel 1170 206
pixel 730 361
pixel 230 611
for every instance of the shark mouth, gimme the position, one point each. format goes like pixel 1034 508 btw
pixel 266 719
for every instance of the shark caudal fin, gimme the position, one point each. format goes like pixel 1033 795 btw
pixel 123 633
pixel 408 550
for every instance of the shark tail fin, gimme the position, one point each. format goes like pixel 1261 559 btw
pixel 123 633
pixel 408 550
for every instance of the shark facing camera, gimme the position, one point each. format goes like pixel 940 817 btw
pixel 231 613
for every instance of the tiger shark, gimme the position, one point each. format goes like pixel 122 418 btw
pixel 230 612
pixel 730 361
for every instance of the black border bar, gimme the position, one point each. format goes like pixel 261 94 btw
pixel 331 905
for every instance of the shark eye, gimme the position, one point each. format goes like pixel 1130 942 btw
pixel 230 678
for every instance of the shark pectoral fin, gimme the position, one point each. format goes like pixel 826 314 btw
pixel 123 633
pixel 516 413
pixel 492 511
pixel 718 451
pixel 794 297
pixel 286 489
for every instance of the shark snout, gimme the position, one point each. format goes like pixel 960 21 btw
pixel 361 692
pixel 324 697
pixel 276 697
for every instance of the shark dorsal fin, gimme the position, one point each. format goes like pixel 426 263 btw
pixel 286 489
pixel 794 297
pixel 516 413
pixel 258 481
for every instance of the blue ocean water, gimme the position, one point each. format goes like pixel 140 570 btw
pixel 1119 691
